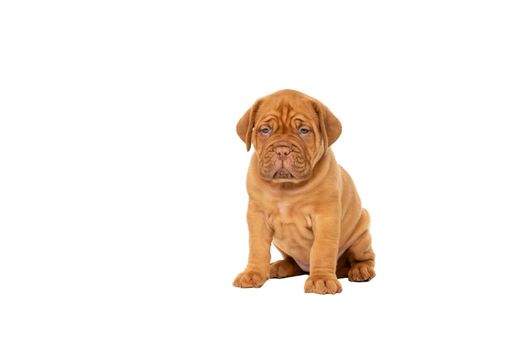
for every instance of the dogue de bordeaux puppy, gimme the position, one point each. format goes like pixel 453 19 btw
pixel 300 198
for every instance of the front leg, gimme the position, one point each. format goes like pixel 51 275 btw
pixel 323 255
pixel 257 270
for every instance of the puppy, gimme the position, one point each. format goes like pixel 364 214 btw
pixel 300 198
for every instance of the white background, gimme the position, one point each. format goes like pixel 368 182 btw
pixel 122 200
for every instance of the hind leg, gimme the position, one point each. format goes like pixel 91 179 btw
pixel 362 259
pixel 285 268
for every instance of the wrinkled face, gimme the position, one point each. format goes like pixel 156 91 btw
pixel 287 139
pixel 291 132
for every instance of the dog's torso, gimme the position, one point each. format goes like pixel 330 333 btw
pixel 291 210
pixel 290 217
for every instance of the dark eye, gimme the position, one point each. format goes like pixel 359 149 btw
pixel 304 131
pixel 266 130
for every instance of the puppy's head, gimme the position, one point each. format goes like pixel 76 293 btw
pixel 290 132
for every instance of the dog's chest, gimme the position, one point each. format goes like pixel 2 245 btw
pixel 292 230
pixel 284 214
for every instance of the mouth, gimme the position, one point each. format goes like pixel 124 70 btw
pixel 283 174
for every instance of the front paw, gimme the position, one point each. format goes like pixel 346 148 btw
pixel 250 279
pixel 324 284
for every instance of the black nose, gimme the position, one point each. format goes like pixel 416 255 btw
pixel 282 151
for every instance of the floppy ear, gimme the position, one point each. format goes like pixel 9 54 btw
pixel 330 126
pixel 246 123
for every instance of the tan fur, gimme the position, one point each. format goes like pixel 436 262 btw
pixel 300 198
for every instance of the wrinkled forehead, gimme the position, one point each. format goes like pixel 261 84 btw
pixel 285 108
